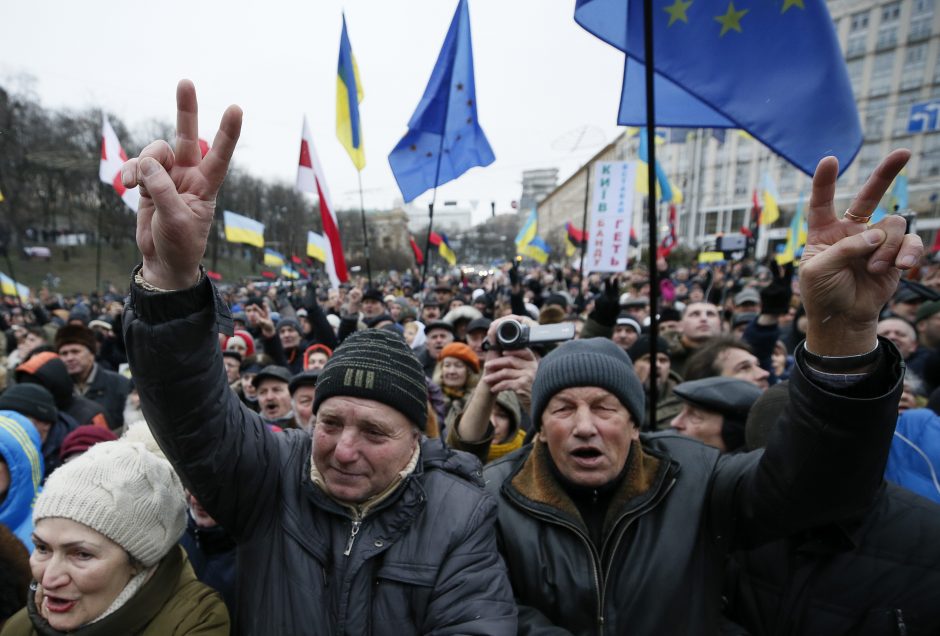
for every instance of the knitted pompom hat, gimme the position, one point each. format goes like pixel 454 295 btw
pixel 123 491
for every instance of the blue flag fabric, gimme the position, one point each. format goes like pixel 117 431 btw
pixel 719 65
pixel 444 138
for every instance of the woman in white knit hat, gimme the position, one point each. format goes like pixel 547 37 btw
pixel 106 559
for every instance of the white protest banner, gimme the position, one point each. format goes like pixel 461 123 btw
pixel 611 216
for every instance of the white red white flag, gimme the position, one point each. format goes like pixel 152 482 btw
pixel 112 158
pixel 310 178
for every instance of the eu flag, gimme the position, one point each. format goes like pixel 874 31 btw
pixel 348 96
pixel 444 138
pixel 770 67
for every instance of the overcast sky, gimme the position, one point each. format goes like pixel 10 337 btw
pixel 541 79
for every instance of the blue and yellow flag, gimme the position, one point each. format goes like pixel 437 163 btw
pixel 444 137
pixel 771 212
pixel 272 258
pixel 348 95
pixel 796 236
pixel 241 229
pixel 529 229
pixel 666 190
pixel 536 249
pixel 734 64
pixel 529 243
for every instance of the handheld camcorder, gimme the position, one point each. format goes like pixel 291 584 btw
pixel 512 334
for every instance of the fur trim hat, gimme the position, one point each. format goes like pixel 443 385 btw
pixel 76 334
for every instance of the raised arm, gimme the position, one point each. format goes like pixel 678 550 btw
pixel 827 456
pixel 221 449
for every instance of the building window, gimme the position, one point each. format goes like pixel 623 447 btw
pixel 856 68
pixel 930 156
pixel 881 74
pixel 875 112
pixel 740 178
pixel 888 27
pixel 858 34
pixel 902 113
pixel 868 158
pixel 711 222
pixel 921 20
pixel 859 22
pixel 915 62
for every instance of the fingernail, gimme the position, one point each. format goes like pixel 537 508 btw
pixel 149 167
pixel 126 175
pixel 873 237
pixel 907 261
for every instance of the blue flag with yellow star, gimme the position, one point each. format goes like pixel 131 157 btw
pixel 738 64
pixel 444 138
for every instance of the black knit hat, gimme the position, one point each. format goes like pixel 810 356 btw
pixel 31 400
pixel 376 365
pixel 643 345
pixel 591 362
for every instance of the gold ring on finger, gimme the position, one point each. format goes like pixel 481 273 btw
pixel 856 218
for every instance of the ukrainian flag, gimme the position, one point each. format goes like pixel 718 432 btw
pixel 796 236
pixel 771 212
pixel 529 230
pixel 536 249
pixel 10 287
pixel 317 246
pixel 348 95
pixel 289 272
pixel 241 229
pixel 273 259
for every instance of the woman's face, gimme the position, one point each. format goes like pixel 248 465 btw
pixel 79 571
pixel 500 420
pixel 779 360
pixel 453 373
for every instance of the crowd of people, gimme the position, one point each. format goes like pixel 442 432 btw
pixel 380 458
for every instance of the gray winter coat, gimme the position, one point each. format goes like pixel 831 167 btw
pixel 424 561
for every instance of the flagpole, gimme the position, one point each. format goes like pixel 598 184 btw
pixel 365 232
pixel 584 216
pixel 437 175
pixel 98 254
pixel 651 201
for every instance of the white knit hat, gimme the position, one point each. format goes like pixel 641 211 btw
pixel 123 491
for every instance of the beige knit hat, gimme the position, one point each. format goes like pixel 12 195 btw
pixel 123 491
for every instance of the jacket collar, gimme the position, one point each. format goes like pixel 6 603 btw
pixel 533 485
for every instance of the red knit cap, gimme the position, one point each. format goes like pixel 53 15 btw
pixel 83 438
pixel 463 353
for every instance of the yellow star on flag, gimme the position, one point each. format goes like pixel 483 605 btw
pixel 731 20
pixel 677 11
pixel 792 3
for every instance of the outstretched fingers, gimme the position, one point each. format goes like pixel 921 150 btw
pixel 878 183
pixel 821 202
pixel 187 124
pixel 215 164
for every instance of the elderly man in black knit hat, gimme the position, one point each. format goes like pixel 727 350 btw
pixel 365 527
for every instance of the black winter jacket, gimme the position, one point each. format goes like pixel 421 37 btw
pixel 681 507
pixel 425 561
pixel 879 575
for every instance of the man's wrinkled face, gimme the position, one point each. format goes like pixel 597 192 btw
pixel 360 446
pixel 437 340
pixel 738 363
pixel 273 398
pixel 700 424
pixel 588 432
pixel 901 333
pixel 700 322
pixel 78 359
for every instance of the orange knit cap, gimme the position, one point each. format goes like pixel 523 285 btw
pixel 463 353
